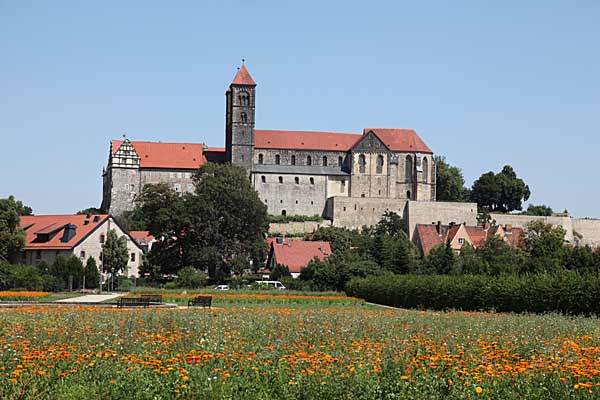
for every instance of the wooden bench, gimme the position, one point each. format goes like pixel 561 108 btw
pixel 153 298
pixel 132 302
pixel 204 301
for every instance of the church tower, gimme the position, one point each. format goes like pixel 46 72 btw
pixel 239 120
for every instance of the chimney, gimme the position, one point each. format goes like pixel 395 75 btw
pixel 438 228
pixel 69 233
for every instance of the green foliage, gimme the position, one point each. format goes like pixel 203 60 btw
pixel 440 260
pixel 450 184
pixel 501 192
pixel 223 220
pixel 469 263
pixel 340 239
pixel 545 245
pixel 279 271
pixel 12 239
pixel 294 218
pixel 115 255
pixel 189 277
pixel 498 257
pixel 67 272
pixel 334 272
pixel 541 210
pixel 390 224
pixel 566 292
pixel 91 210
pixel 91 273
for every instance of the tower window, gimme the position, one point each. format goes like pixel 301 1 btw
pixel 261 158
pixel 281 179
pixel 293 160
pixel 409 169
pixel 263 179
pixel 297 180
pixel 243 118
pixel 244 99
pixel 312 181
pixel 309 160
pixel 425 164
pixel 277 159
pixel 362 163
pixel 324 161
pixel 408 194
pixel 379 169
pixel 340 161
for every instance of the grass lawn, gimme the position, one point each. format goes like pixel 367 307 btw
pixel 36 296
pixel 274 351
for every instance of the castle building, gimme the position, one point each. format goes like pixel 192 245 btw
pixel 349 177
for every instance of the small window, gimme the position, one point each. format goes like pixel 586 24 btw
pixel 379 169
pixel 102 238
pixel 312 202
pixel 296 180
pixel 312 181
pixel 461 240
pixel 344 208
pixel 296 201
pixel 408 194
pixel 308 160
pixel 343 184
pixel 281 179
pixel 132 257
pixel 177 187
pixel 293 160
pixel 277 159
pixel 187 175
pixel 82 254
pixel 280 201
pixel 38 254
pixel 263 179
pixel 172 174
pixel 340 161
pixel 100 256
pixel 243 118
pixel 132 187
pixel 324 161
pixel 179 175
pixel 283 212
pixel 362 163
pixel 261 158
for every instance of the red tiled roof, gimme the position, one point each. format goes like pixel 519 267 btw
pixel 400 139
pixel 215 149
pixel 477 233
pixel 243 77
pixel 296 254
pixel 304 140
pixel 166 155
pixel 429 237
pixel 139 236
pixel 47 224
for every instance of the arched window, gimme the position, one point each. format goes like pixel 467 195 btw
pixel 425 164
pixel 277 159
pixel 283 212
pixel 244 99
pixel 261 158
pixel 379 164
pixel 409 169
pixel 293 160
pixel 296 180
pixel 281 179
pixel 263 179
pixel 308 160
pixel 340 161
pixel 243 118
pixel 362 162
pixel 408 194
pixel 324 161
pixel 312 181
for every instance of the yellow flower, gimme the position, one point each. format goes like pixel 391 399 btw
pixel 404 377
pixel 185 378
pixel 478 390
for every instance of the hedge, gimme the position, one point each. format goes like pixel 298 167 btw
pixel 567 292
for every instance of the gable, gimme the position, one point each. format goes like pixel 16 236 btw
pixel 370 143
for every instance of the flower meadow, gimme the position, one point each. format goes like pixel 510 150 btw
pixel 350 352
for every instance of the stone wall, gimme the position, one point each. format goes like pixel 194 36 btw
pixel 590 230
pixel 291 228
pixel 301 156
pixel 356 212
pixel 521 221
pixel 427 212
pixel 307 197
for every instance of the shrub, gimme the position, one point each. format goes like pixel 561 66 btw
pixel 189 277
pixel 294 218
pixel 566 292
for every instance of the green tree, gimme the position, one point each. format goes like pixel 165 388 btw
pixel 541 210
pixel 499 257
pixel 340 239
pixel 468 262
pixel 440 260
pixel 91 274
pixel 222 220
pixel 189 277
pixel 545 245
pixel 279 271
pixel 67 272
pixel 12 239
pixel 501 192
pixel 450 184
pixel 390 224
pixel 114 255
pixel 91 210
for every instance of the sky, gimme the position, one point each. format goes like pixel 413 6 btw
pixel 484 83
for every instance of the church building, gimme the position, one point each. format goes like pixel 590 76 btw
pixel 344 177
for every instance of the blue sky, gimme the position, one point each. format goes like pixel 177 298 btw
pixel 484 83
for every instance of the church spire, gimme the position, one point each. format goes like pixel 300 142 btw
pixel 243 77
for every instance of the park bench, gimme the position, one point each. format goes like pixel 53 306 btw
pixel 153 298
pixel 132 302
pixel 204 301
